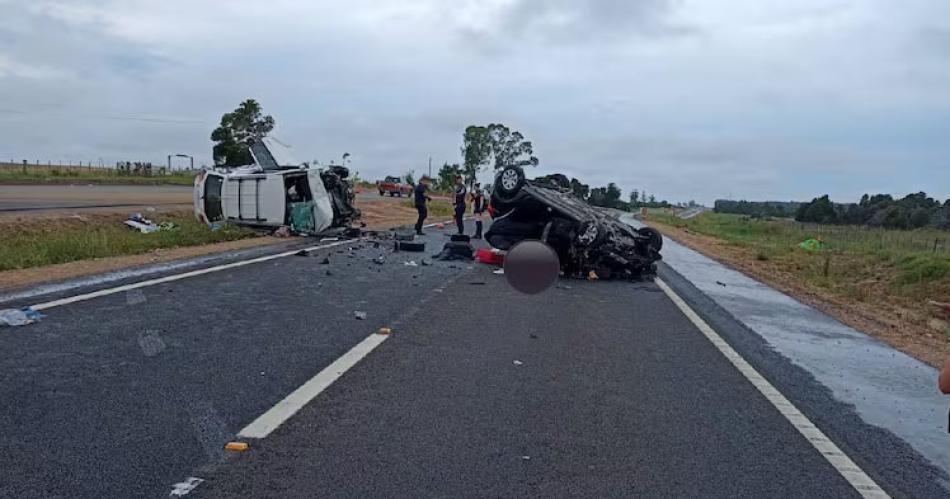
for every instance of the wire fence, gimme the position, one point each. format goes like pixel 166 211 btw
pixel 871 238
pixel 37 168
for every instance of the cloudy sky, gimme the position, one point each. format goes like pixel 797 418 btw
pixel 687 99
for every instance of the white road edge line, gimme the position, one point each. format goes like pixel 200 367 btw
pixel 841 462
pixel 175 277
pixel 275 416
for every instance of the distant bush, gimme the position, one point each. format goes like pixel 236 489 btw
pixel 913 211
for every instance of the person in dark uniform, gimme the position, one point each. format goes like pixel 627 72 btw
pixel 460 192
pixel 478 207
pixel 421 197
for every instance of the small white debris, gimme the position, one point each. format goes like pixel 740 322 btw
pixel 518 362
pixel 360 315
pixel 410 263
pixel 525 458
pixel 499 272
pixel 183 488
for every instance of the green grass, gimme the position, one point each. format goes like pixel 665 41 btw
pixel 23 248
pixel 53 175
pixel 905 261
pixel 437 207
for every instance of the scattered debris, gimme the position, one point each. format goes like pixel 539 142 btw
pixel 410 263
pixel 325 261
pixel 182 489
pixel 141 224
pixel 379 260
pixel 721 283
pixel 375 244
pixel 385 330
pixel 811 245
pixel 461 238
pixel 21 317
pixel 410 246
pixel 359 315
pixel 282 231
pixel 491 256
pixel 456 250
pixel 440 226
pixel 404 236
pixel 302 253
pixel 499 272
pixel 517 362
pixel 329 239
pixel 525 458
pixel 237 446
pixel 328 273
pixel 477 283
pixel 80 218
pixel 592 276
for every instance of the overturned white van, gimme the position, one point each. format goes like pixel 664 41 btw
pixel 276 191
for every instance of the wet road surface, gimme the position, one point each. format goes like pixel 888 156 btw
pixel 591 389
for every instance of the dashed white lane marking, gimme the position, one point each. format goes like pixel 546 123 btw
pixel 841 462
pixel 185 275
pixel 275 416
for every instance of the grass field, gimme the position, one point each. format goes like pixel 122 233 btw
pixel 912 264
pixel 437 207
pixel 66 175
pixel 69 240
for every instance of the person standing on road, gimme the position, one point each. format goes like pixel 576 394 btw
pixel 478 207
pixel 460 192
pixel 421 197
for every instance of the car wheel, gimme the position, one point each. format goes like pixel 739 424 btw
pixel 510 181
pixel 590 235
pixel 653 237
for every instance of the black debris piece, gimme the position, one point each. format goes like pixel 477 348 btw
pixel 359 315
pixel 325 261
pixel 329 273
pixel 456 250
pixel 461 238
pixel 379 260
pixel 375 244
pixel 302 253
pixel 477 283
pixel 410 246
pixel 721 283
pixel 404 236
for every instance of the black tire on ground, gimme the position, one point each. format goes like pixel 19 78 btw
pixel 654 237
pixel 509 182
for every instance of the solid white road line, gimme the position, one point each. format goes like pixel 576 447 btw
pixel 175 277
pixel 275 416
pixel 841 462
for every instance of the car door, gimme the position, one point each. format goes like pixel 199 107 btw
pixel 322 205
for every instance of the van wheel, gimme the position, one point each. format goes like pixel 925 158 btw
pixel 510 181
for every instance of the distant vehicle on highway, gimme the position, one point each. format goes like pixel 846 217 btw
pixel 394 186
pixel 276 191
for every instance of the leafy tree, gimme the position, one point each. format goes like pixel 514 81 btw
pixel 634 197
pixel 476 151
pixel 509 148
pixel 580 190
pixel 612 195
pixel 236 131
pixel 447 174
pixel 819 210
pixel 410 177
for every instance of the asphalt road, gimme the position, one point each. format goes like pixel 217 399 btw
pixel 590 389
pixel 24 198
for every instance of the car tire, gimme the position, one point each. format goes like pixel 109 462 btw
pixel 653 236
pixel 591 234
pixel 510 181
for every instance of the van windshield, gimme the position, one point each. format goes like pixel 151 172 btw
pixel 213 198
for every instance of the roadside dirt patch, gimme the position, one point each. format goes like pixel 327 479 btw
pixel 378 215
pixel 901 323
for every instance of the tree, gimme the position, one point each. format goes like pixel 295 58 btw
pixel 579 189
pixel 509 148
pixel 447 174
pixel 819 210
pixel 612 195
pixel 410 177
pixel 634 197
pixel 476 150
pixel 236 131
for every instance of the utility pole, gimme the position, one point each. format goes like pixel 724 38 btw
pixel 430 166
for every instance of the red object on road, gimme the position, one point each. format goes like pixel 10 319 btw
pixel 490 257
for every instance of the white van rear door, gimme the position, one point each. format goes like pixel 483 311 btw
pixel 322 206
pixel 242 198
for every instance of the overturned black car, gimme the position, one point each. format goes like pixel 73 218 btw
pixel 585 238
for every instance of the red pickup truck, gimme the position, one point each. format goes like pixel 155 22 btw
pixel 394 186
